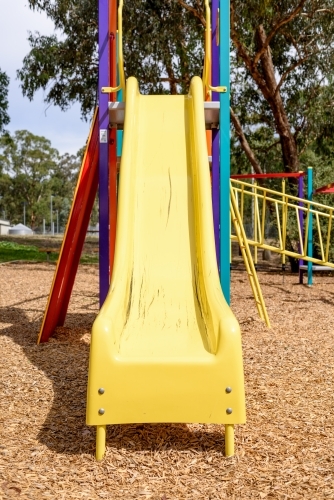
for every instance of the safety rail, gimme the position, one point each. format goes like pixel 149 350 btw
pixel 289 214
pixel 207 56
pixel 207 87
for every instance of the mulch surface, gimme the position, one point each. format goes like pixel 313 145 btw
pixel 285 450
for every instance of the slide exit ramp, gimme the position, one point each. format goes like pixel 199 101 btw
pixel 165 346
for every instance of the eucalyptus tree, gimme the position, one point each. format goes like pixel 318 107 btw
pixel 4 117
pixel 162 47
pixel 28 162
pixel 283 62
pixel 282 55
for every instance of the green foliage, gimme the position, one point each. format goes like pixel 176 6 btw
pixel 64 65
pixel 28 161
pixel 4 117
pixel 32 171
pixel 163 44
pixel 162 48
pixel 301 41
pixel 282 112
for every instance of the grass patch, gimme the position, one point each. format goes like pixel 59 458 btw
pixel 89 259
pixel 10 251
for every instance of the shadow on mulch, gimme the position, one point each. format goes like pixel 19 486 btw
pixel 64 361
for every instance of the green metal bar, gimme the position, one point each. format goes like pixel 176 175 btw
pixel 224 131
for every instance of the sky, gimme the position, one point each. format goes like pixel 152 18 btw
pixel 66 131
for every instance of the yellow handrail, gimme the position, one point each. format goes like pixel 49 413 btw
pixel 207 55
pixel 247 257
pixel 207 88
pixel 120 48
pixel 121 86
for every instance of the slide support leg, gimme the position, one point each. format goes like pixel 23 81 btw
pixel 229 440
pixel 101 431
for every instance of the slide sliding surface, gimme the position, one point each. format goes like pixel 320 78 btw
pixel 165 345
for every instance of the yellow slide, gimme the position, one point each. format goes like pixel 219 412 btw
pixel 165 346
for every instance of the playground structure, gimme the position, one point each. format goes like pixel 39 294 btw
pixel 255 178
pixel 165 345
pixel 287 211
pixel 296 218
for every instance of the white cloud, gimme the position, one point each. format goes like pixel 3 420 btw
pixel 66 131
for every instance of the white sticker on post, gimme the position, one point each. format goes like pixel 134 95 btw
pixel 103 136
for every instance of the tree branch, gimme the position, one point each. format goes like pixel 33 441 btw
pixel 243 53
pixel 288 71
pixel 244 143
pixel 285 20
pixel 193 11
pixel 266 150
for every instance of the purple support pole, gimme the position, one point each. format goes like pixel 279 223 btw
pixel 300 215
pixel 215 132
pixel 103 149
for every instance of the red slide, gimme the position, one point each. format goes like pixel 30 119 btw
pixel 74 237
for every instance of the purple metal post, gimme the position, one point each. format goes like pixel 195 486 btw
pixel 300 215
pixel 103 149
pixel 215 132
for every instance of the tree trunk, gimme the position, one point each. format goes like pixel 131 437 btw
pixel 273 96
pixel 244 143
pixel 261 68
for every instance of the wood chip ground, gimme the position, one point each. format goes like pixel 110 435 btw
pixel 285 451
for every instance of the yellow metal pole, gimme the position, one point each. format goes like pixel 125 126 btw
pixel 279 225
pixel 264 205
pixel 306 232
pixel 320 236
pixel 229 440
pixel 329 228
pixel 242 203
pixel 207 55
pixel 101 432
pixel 121 86
pixel 247 257
pixel 120 48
